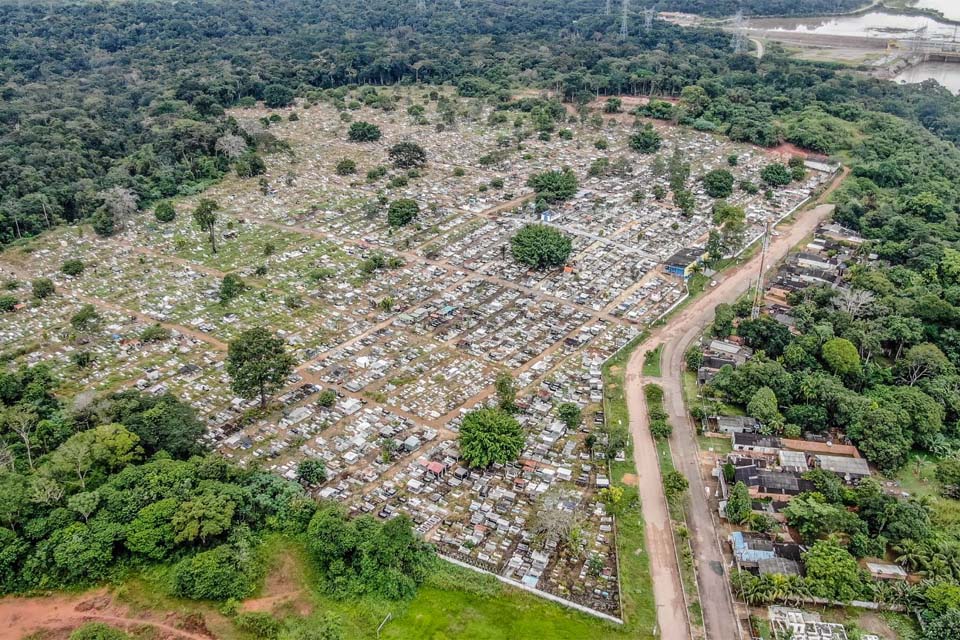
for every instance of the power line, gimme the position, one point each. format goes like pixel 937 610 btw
pixel 624 11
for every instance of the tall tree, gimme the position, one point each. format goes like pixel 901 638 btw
pixel 205 217
pixel 258 363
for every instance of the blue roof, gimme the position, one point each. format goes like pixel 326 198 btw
pixel 743 552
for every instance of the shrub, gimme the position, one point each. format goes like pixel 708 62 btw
pixel 154 333
pixel 361 131
pixel 72 267
pixel 346 167
pixel 554 186
pixel 402 212
pixel 42 288
pixel 217 574
pixel 164 212
pixel 7 302
pixel 488 436
pixel 98 631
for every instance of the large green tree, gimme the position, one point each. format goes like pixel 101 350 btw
pixel 541 246
pixel 259 364
pixel 488 436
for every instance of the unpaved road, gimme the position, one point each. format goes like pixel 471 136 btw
pixel 680 331
pixel 21 617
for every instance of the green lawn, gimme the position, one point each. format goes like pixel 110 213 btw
pixel 639 609
pixel 720 446
pixel 651 362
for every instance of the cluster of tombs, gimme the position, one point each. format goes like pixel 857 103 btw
pixel 407 326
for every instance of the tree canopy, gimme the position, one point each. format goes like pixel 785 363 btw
pixel 541 246
pixel 488 436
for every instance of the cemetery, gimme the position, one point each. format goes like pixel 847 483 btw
pixel 408 325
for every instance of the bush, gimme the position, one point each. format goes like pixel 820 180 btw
pixel 98 631
pixel 231 287
pixel 42 288
pixel 541 247
pixel 646 140
pixel 154 333
pixel 327 398
pixel 72 267
pixel 776 175
pixel 346 167
pixel 7 302
pixel 276 96
pixel 402 212
pixel 406 155
pixel 217 574
pixel 718 183
pixel 259 624
pixel 164 212
pixel 361 131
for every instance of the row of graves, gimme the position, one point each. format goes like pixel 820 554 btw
pixel 536 522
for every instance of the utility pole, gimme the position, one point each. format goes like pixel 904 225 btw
pixel 739 36
pixel 624 11
pixel 758 294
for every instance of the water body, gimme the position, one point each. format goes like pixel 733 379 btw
pixel 946 73
pixel 887 25
pixel 874 24
pixel 949 8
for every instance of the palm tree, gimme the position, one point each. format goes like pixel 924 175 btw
pixel 912 554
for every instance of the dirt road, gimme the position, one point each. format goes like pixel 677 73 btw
pixel 21 617
pixel 675 336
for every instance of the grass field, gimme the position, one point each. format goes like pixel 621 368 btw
pixel 651 363
pixel 638 606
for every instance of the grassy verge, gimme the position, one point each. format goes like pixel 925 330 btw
pixel 651 363
pixel 639 611
pixel 677 506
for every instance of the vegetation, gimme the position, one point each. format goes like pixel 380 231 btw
pixel 363 132
pixel 490 436
pixel 554 186
pixel 407 155
pixel 402 212
pixel 541 247
pixel 258 363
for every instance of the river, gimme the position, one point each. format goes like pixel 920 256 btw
pixel 949 8
pixel 887 26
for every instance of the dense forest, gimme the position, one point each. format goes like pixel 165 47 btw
pixel 131 94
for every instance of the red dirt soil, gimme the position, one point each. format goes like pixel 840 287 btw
pixel 58 615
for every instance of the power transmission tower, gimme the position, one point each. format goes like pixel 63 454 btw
pixel 758 295
pixel 648 17
pixel 421 5
pixel 624 11
pixel 608 8
pixel 739 36
pixel 456 3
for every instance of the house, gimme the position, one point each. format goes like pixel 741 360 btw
pixel 684 262
pixel 756 443
pixel 884 571
pixel 732 424
pixel 852 470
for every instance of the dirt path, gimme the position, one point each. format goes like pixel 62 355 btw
pixel 20 617
pixel 719 618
